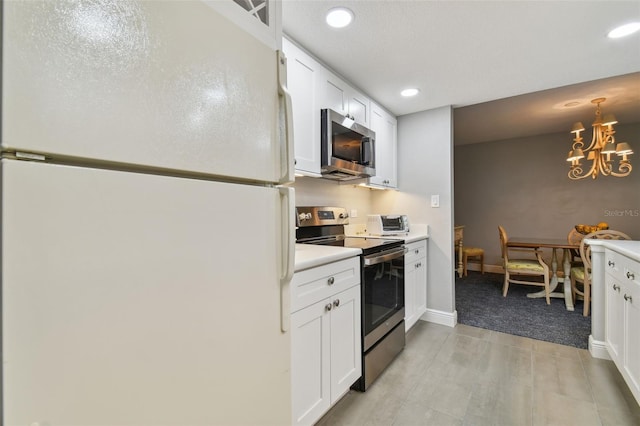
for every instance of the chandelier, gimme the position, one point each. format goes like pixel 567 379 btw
pixel 603 153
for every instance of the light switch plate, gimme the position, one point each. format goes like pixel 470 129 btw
pixel 435 201
pixel 354 213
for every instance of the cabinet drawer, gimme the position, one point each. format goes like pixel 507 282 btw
pixel 630 271
pixel 415 251
pixel 313 285
pixel 621 267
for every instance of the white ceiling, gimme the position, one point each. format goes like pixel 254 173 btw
pixel 469 53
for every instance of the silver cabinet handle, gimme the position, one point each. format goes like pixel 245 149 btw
pixel 336 303
pixel 374 259
pixel 331 280
pixel 616 287
pixel 328 307
pixel 611 263
pixel 628 298
pixel 631 275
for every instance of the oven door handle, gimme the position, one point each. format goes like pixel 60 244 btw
pixel 374 259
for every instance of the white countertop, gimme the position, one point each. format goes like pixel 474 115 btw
pixel 631 249
pixel 418 232
pixel 310 255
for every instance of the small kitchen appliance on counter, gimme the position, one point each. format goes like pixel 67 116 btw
pixel 382 285
pixel 378 224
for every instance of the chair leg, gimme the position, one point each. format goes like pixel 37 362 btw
pixel 546 289
pixel 464 264
pixel 586 289
pixel 505 287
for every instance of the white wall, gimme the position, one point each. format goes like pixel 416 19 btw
pixel 323 192
pixel 425 168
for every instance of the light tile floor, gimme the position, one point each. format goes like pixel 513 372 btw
pixel 471 376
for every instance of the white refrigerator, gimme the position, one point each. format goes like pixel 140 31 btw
pixel 147 240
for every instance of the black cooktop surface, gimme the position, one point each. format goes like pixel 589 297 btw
pixel 367 245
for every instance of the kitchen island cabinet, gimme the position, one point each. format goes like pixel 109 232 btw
pixel 617 274
pixel 325 337
pixel 622 316
pixel 415 282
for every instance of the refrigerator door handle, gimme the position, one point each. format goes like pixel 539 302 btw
pixel 286 141
pixel 287 250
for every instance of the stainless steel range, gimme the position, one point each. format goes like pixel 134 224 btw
pixel 382 284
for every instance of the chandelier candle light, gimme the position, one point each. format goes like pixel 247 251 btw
pixel 601 151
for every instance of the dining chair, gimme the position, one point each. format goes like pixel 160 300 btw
pixel 575 237
pixel 582 274
pixel 525 267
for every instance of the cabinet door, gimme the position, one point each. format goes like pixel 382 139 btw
pixel 303 78
pixel 359 107
pixel 421 288
pixel 344 99
pixel 386 129
pixel 410 283
pixel 614 317
pixel 346 354
pixel 333 94
pixel 310 362
pixel 632 336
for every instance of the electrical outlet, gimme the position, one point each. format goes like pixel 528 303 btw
pixel 435 201
pixel 354 213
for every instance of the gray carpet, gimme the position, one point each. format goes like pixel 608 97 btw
pixel 479 303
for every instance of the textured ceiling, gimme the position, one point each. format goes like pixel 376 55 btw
pixel 470 53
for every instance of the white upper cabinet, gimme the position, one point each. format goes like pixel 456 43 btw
pixel 260 18
pixel 313 87
pixel 385 126
pixel 303 80
pixel 341 97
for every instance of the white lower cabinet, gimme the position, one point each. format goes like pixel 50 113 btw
pixel 325 341
pixel 622 316
pixel 415 282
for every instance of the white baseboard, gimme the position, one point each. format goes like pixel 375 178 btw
pixel 450 319
pixel 598 348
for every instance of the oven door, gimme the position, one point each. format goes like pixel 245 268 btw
pixel 382 293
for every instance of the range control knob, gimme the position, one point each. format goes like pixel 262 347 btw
pixel 304 216
pixel 343 215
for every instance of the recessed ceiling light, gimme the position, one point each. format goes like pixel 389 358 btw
pixel 409 92
pixel 624 30
pixel 339 17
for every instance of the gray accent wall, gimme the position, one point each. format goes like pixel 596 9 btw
pixel 522 184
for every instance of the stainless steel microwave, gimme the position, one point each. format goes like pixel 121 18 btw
pixel 348 148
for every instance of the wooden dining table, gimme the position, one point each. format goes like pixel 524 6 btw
pixel 555 244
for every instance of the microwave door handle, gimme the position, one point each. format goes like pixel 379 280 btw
pixel 364 152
